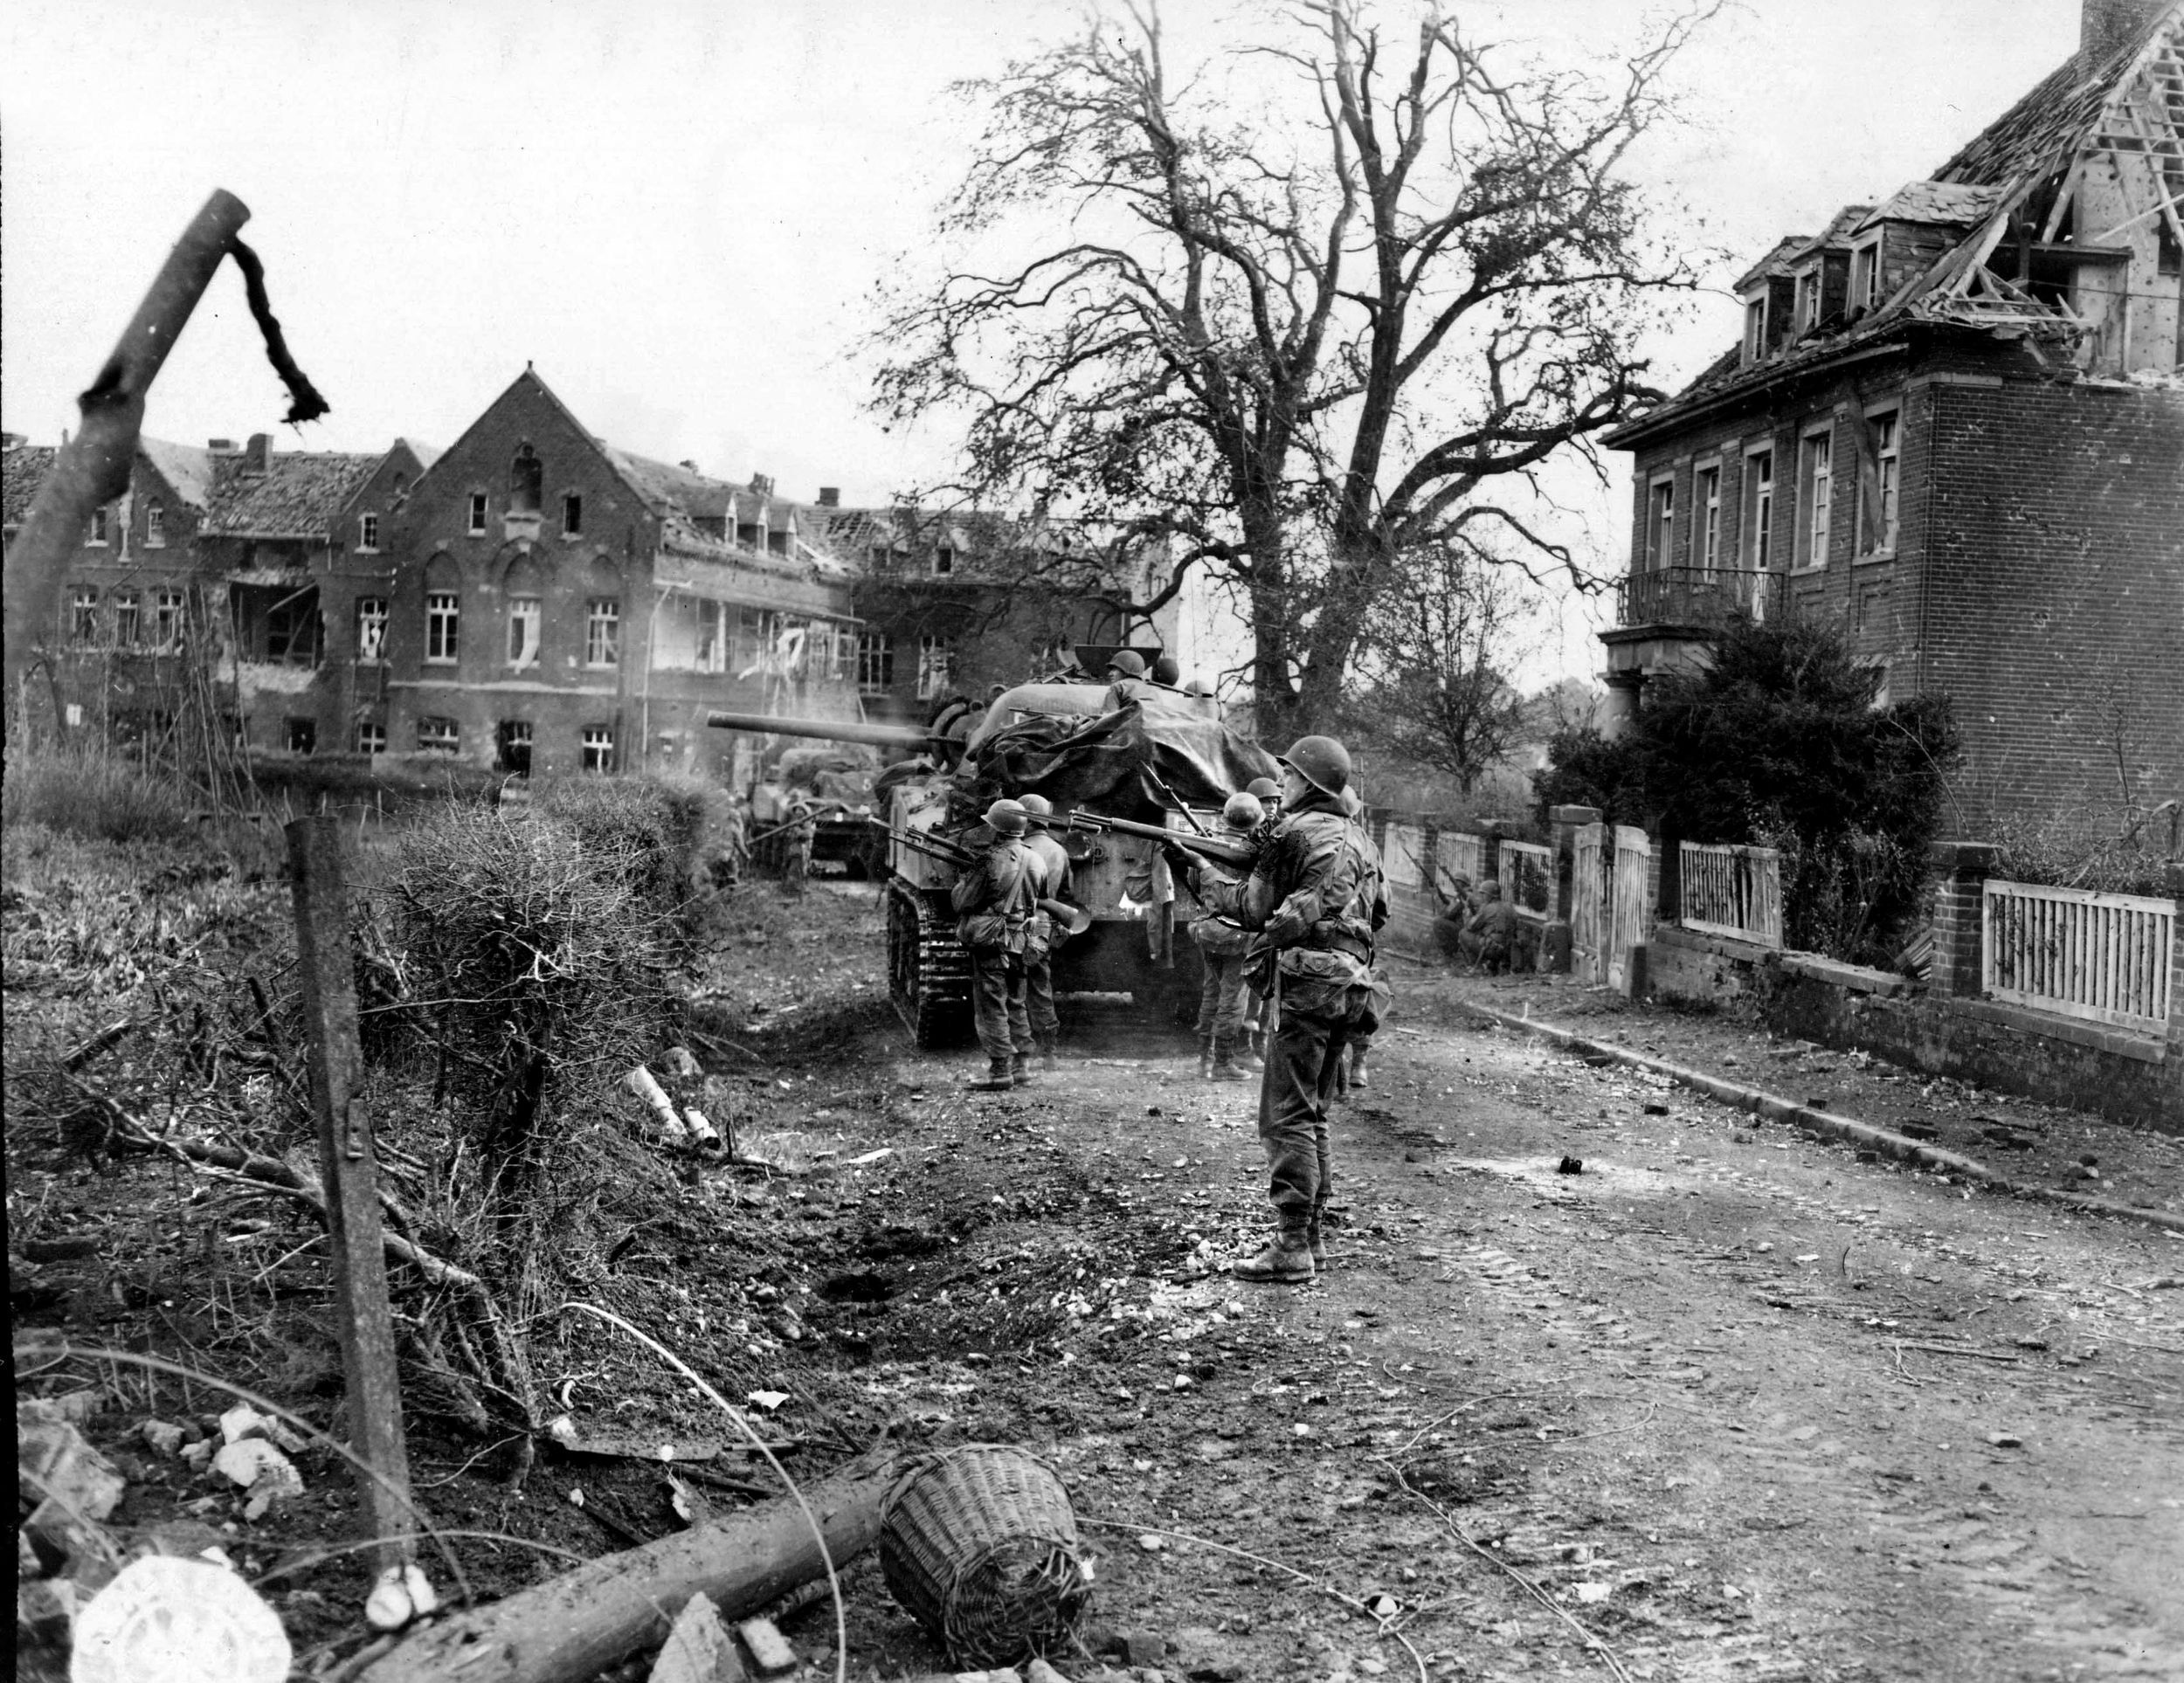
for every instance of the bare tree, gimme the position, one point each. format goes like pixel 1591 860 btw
pixel 1296 313
pixel 1433 663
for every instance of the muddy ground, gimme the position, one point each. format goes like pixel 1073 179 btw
pixel 1727 1404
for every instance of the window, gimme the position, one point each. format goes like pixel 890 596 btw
pixel 1808 300
pixel 1865 277
pixel 154 526
pixel 599 748
pixel 101 527
pixel 512 747
pixel 1887 460
pixel 526 476
pixel 477 512
pixel 371 737
pixel 572 516
pixel 128 620
pixel 292 631
pixel 368 532
pixel 875 662
pixel 83 618
pixel 943 560
pixel 170 616
pixel 300 735
pixel 523 621
pixel 1759 530
pixel 1817 488
pixel 438 736
pixel 371 628
pixel 1708 500
pixel 443 614
pixel 1756 329
pixel 602 631
pixel 936 666
pixel 1660 523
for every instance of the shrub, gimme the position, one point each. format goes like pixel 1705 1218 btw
pixel 2062 854
pixel 91 793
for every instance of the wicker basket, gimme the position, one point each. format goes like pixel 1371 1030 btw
pixel 980 1546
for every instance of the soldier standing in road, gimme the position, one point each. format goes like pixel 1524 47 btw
pixel 994 900
pixel 1222 945
pixel 1038 975
pixel 1317 899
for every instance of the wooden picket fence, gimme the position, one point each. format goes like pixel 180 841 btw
pixel 1730 891
pixel 2101 958
pixel 1528 879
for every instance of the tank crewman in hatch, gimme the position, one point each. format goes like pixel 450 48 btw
pixel 1125 672
pixel 1316 897
pixel 1038 975
pixel 1223 946
pixel 995 901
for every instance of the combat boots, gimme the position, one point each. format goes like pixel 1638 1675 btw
pixel 1286 1259
pixel 1357 1076
pixel 1021 1070
pixel 1000 1078
pixel 1220 1064
pixel 1048 1064
pixel 1316 1240
pixel 1206 1058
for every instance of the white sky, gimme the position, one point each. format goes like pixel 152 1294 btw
pixel 678 209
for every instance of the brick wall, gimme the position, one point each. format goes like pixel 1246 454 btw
pixel 2053 594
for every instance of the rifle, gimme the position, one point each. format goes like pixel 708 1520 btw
pixel 1212 847
pixel 1075 919
pixel 1154 777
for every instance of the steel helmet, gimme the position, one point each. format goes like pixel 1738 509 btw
pixel 1166 669
pixel 1243 813
pixel 1007 818
pixel 1038 805
pixel 1127 662
pixel 1265 788
pixel 1321 761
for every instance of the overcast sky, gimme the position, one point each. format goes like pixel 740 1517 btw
pixel 678 210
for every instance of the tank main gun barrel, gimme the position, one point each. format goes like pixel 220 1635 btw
pixel 836 730
pixel 1211 847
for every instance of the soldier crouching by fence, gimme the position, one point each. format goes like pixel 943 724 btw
pixel 1316 897
pixel 1223 947
pixel 995 901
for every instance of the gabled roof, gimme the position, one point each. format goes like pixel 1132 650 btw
pixel 426 454
pixel 187 469
pixel 23 469
pixel 1776 263
pixel 2035 141
pixel 301 494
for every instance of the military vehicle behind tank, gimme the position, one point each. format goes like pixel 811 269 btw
pixel 1153 754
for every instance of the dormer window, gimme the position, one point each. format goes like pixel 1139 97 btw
pixel 1865 278
pixel 1808 300
pixel 1756 329
pixel 943 560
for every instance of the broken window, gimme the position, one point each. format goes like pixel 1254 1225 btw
pixel 155 526
pixel 1880 539
pixel 1817 489
pixel 300 735
pixel 371 628
pixel 526 476
pixel 170 615
pixel 524 614
pixel 101 527
pixel 599 748
pixel 1756 329
pixel 128 622
pixel 1865 277
pixel 875 662
pixel 291 630
pixel 1709 501
pixel 371 736
pixel 572 516
pixel 1661 524
pixel 443 621
pixel 603 631
pixel 1808 300
pixel 83 618
pixel 936 666
pixel 512 747
pixel 438 736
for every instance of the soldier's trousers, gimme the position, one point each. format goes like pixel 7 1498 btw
pixel 1039 998
pixel 1221 996
pixel 1293 1094
pixel 997 1002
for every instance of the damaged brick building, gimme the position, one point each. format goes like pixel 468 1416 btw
pixel 1954 428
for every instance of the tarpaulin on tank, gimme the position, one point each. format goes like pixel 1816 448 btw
pixel 1097 760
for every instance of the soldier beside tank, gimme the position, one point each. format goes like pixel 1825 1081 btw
pixel 1224 945
pixel 995 901
pixel 1038 973
pixel 1316 898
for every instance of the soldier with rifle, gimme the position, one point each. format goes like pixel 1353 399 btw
pixel 1316 897
pixel 995 899
pixel 1046 934
pixel 1223 949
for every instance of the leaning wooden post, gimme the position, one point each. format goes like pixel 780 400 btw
pixel 352 1171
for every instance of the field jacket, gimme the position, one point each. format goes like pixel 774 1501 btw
pixel 996 899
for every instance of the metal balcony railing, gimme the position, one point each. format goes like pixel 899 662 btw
pixel 1697 596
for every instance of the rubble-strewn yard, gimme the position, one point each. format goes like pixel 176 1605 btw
pixel 1727 1404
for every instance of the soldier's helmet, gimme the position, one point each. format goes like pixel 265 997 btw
pixel 1007 818
pixel 1492 890
pixel 1321 761
pixel 1243 813
pixel 1265 788
pixel 1127 662
pixel 1166 669
pixel 1038 805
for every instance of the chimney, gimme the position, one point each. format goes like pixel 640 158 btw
pixel 687 467
pixel 221 446
pixel 830 496
pixel 2106 27
pixel 763 484
pixel 257 454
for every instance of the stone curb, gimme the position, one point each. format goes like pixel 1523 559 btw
pixel 1824 1122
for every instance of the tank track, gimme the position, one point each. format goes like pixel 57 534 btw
pixel 929 973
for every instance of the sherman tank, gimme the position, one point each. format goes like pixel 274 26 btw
pixel 1146 755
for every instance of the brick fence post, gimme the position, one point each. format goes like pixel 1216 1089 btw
pixel 1490 834
pixel 1963 867
pixel 1563 824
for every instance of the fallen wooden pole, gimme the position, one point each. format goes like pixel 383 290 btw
pixel 570 1628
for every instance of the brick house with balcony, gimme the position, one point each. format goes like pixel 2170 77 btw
pixel 561 604
pixel 1954 427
